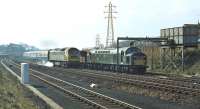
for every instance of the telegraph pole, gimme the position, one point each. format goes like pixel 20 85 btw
pixel 110 28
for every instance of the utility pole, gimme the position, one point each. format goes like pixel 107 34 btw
pixel 110 28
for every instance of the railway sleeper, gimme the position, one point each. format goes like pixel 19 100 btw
pixel 194 94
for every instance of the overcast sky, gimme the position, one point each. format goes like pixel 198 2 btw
pixel 65 23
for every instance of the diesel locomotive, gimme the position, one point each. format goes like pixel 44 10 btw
pixel 67 57
pixel 131 59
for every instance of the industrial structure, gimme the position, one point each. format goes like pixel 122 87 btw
pixel 98 42
pixel 110 27
pixel 186 35
pixel 181 39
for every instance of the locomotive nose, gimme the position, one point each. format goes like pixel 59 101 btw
pixel 139 59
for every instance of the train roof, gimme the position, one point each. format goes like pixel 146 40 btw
pixel 63 49
pixel 68 48
pixel 114 50
pixel 39 51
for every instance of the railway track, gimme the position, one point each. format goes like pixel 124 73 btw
pixel 185 88
pixel 94 99
pixel 194 82
pixel 144 78
pixel 149 82
pixel 192 79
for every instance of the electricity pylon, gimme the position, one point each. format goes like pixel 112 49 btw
pixel 110 27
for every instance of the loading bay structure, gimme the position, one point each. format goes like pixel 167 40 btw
pixel 181 39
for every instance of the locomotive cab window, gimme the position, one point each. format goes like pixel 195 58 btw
pixel 127 59
pixel 122 55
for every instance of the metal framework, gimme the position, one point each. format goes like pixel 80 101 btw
pixel 110 27
pixel 172 57
pixel 98 41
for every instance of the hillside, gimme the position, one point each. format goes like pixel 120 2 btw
pixel 16 49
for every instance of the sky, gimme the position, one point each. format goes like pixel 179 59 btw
pixel 75 23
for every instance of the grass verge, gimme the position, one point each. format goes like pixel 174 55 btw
pixel 13 95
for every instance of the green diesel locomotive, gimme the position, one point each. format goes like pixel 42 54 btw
pixel 130 59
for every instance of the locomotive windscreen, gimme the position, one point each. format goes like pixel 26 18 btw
pixel 74 52
pixel 132 50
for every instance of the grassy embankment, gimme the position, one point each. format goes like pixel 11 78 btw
pixel 12 94
pixel 191 65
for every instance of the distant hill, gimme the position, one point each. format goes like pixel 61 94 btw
pixel 16 49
